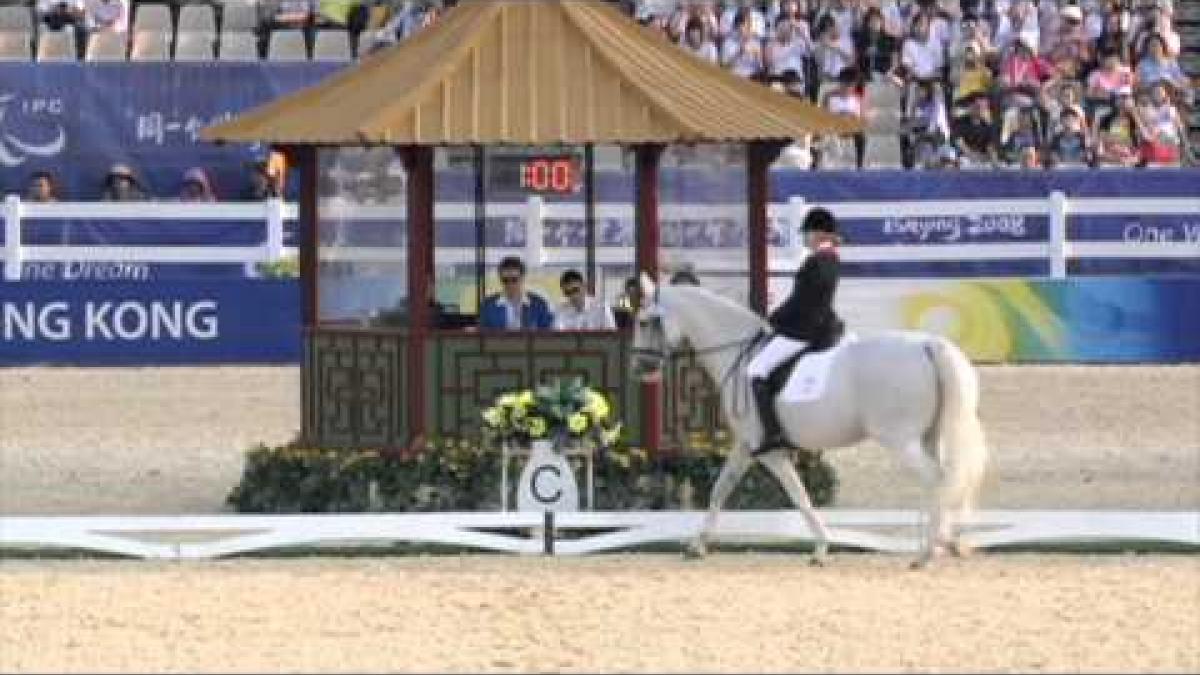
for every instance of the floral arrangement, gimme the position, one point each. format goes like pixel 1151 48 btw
pixel 456 474
pixel 564 411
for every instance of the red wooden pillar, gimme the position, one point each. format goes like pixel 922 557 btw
pixel 304 158
pixel 759 157
pixel 418 164
pixel 646 210
pixel 647 230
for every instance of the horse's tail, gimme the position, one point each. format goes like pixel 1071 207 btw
pixel 957 431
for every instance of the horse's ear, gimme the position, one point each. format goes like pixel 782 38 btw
pixel 649 288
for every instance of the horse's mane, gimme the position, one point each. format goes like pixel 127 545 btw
pixel 724 303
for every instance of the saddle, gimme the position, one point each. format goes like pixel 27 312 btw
pixel 779 377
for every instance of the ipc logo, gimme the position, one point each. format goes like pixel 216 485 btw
pixel 17 142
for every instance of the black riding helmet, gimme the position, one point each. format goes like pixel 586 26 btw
pixel 820 220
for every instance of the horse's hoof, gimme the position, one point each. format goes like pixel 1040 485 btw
pixel 816 561
pixel 919 564
pixel 694 553
pixel 961 549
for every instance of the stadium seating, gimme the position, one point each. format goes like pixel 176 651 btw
pixel 150 45
pixel 194 45
pixel 331 45
pixel 237 46
pixel 147 17
pixel 16 19
pixel 239 15
pixel 197 19
pixel 237 30
pixel 15 45
pixel 107 46
pixel 287 45
pixel 57 45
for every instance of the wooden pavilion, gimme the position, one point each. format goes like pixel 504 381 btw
pixel 507 73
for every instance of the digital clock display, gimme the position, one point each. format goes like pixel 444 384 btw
pixel 549 172
pixel 561 174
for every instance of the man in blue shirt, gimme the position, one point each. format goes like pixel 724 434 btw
pixel 514 308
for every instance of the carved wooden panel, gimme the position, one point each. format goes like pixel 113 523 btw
pixel 356 385
pixel 354 389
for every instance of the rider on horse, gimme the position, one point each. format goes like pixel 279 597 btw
pixel 805 322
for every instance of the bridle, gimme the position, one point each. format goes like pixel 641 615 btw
pixel 746 344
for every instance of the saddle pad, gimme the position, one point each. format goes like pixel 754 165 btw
pixel 808 378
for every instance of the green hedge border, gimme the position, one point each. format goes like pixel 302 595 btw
pixel 457 475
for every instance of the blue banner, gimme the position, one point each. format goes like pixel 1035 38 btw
pixel 230 322
pixel 170 323
pixel 1123 320
pixel 820 187
pixel 76 120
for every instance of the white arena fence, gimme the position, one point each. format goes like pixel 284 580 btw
pixel 535 212
pixel 577 533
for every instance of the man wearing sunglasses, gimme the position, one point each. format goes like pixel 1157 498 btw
pixel 578 311
pixel 514 308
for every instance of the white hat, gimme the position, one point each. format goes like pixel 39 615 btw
pixel 1072 12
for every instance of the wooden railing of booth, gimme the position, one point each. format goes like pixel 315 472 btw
pixel 356 386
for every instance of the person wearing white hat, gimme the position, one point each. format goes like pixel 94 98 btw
pixel 1072 48
pixel 196 186
pixel 121 185
pixel 1157 20
pixel 1021 20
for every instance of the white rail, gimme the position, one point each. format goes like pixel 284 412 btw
pixel 195 537
pixel 533 214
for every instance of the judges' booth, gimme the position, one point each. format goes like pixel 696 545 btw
pixel 531 128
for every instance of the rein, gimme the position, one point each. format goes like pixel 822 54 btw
pixel 746 348
pixel 746 341
pixel 740 394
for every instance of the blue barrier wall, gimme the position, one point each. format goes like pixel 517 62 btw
pixel 77 119
pixel 169 323
pixel 713 187
pixel 252 321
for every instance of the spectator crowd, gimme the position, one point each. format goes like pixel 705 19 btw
pixel 968 83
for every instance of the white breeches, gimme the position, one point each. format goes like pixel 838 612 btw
pixel 778 350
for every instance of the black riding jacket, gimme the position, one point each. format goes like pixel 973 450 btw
pixel 808 314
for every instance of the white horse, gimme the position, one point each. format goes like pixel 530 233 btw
pixel 915 393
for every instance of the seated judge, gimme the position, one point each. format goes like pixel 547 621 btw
pixel 579 311
pixel 514 308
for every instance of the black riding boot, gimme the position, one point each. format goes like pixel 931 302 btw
pixel 764 398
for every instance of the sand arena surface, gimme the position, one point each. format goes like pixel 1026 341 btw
pixel 165 441
pixel 623 613
pixel 171 440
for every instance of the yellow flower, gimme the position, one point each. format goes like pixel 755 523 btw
pixel 507 400
pixel 577 423
pixel 596 405
pixel 610 436
pixel 526 398
pixel 537 427
pixel 492 417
